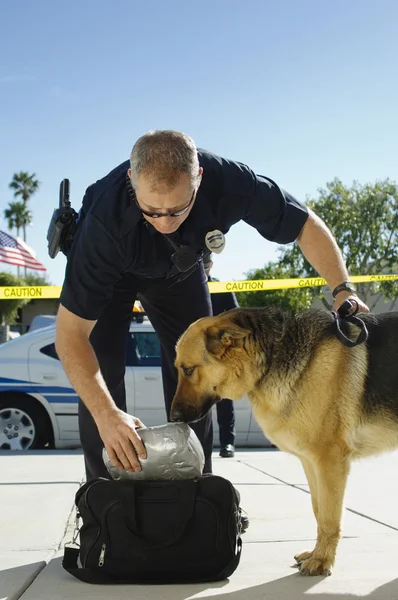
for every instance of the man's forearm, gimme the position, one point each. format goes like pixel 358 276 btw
pixel 82 368
pixel 322 252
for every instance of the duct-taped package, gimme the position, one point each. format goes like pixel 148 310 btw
pixel 173 452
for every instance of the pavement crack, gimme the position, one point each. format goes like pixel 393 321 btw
pixel 298 487
pixel 300 540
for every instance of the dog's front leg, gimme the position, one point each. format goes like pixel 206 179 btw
pixel 312 482
pixel 331 474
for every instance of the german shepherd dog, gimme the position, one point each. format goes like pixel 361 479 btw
pixel 313 397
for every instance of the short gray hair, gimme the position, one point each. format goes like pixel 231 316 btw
pixel 163 156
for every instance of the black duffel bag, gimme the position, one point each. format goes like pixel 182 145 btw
pixel 156 531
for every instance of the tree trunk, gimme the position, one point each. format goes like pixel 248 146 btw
pixel 4 331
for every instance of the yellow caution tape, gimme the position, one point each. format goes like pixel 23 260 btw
pixel 31 292
pixel 252 285
pixel 255 285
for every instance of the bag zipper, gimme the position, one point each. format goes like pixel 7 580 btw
pixel 102 556
pixel 99 530
pixel 84 495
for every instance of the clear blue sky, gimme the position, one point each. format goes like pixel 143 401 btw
pixel 301 90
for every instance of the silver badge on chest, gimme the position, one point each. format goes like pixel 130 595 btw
pixel 215 241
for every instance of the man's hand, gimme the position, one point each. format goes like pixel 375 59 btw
pixel 121 440
pixel 343 296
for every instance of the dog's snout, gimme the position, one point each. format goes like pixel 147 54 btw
pixel 177 414
pixel 183 413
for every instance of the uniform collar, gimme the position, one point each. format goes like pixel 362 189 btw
pixel 200 221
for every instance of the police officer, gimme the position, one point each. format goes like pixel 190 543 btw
pixel 225 409
pixel 143 230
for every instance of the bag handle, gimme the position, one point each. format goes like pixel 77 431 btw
pixel 186 507
pixel 71 555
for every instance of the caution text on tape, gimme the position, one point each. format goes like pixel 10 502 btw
pixel 215 287
pixel 30 292
pixel 255 285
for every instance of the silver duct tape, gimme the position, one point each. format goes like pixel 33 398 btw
pixel 174 452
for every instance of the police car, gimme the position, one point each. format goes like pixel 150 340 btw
pixel 39 407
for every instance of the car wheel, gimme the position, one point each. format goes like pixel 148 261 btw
pixel 24 423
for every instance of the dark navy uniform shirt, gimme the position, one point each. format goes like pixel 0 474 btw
pixel 113 239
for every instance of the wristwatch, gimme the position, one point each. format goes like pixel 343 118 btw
pixel 346 286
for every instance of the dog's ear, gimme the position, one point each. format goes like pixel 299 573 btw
pixel 219 339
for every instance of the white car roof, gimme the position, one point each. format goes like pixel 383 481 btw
pixel 40 321
pixel 35 335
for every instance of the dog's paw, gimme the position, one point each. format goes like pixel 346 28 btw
pixel 315 566
pixel 300 558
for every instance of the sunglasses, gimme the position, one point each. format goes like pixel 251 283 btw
pixel 177 213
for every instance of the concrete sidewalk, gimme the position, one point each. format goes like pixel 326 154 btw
pixel 36 499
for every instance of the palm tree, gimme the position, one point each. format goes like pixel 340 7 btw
pixel 17 216
pixel 25 185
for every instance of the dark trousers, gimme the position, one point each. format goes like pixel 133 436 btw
pixel 226 422
pixel 171 308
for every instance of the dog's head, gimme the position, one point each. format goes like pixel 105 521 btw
pixel 212 363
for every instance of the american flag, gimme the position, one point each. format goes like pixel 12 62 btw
pixel 16 252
